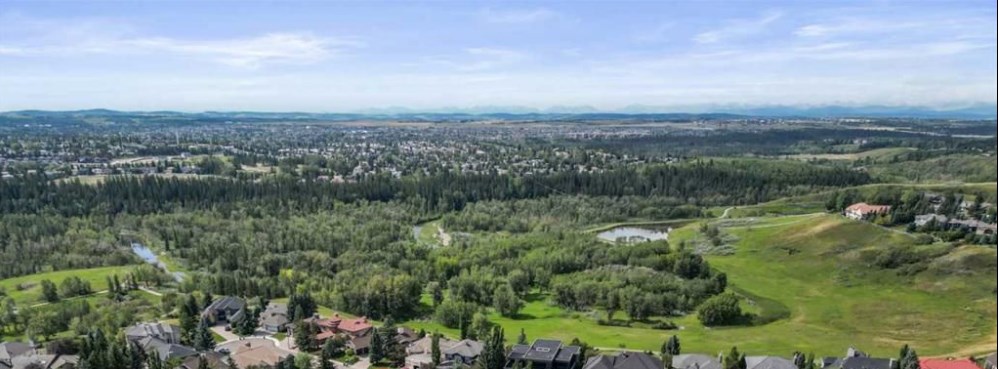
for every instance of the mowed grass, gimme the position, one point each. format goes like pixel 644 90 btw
pixel 32 292
pixel 877 155
pixel 838 299
pixel 823 298
pixel 540 319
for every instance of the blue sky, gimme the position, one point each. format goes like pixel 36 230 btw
pixel 329 56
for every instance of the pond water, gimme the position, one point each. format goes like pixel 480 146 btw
pixel 147 255
pixel 416 230
pixel 634 234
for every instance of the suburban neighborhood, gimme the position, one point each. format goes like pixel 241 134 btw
pixel 346 343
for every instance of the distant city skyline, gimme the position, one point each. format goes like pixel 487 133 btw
pixel 332 56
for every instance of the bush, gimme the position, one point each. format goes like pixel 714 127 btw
pixel 721 310
pixel 613 323
pixel 665 326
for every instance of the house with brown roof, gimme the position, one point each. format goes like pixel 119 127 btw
pixel 863 210
pixel 357 327
pixel 249 353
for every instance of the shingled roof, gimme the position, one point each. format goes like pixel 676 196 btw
pixel 627 360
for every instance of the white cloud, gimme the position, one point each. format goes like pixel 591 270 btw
pixel 479 59
pixel 512 16
pixel 738 28
pixel 87 36
pixel 249 52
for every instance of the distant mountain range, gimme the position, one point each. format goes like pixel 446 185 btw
pixel 638 112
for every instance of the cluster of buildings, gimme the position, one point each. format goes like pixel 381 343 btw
pixel 17 355
pixel 864 211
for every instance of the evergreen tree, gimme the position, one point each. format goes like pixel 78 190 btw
pixel 435 353
pixel 153 361
pixel 203 339
pixel 189 312
pixel 377 352
pixel 494 353
pixel 734 360
pixel 672 346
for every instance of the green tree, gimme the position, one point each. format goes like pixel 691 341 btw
pixel 506 302
pixel 377 351
pixel 672 346
pixel 437 291
pixel 494 353
pixel 435 354
pixel 303 361
pixel 203 339
pixel 522 338
pixel 721 310
pixel 49 291
pixel 153 361
pixel 734 360
pixel 189 312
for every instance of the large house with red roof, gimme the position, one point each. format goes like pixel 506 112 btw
pixel 863 210
pixel 335 325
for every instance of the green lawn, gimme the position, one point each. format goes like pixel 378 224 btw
pixel 822 299
pixel 32 293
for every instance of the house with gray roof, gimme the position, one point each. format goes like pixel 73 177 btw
pixel 167 351
pixel 464 351
pixel 991 362
pixel 626 360
pixel 225 309
pixel 274 319
pixel 164 332
pixel 769 362
pixel 44 362
pixel 695 361
pixel 10 350
pixel 856 359
pixel 544 354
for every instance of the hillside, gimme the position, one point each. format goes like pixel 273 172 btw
pixel 821 268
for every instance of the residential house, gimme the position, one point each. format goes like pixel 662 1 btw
pixel 358 327
pixel 360 345
pixel 167 351
pixel 695 361
pixel 856 359
pixel 923 220
pixel 626 360
pixel 225 309
pixel 947 364
pixel 464 351
pixel 35 361
pixel 544 354
pixel 863 210
pixel 991 362
pixel 10 350
pixel 769 362
pixel 274 318
pixel 405 336
pixel 976 226
pixel 419 352
pixel 257 353
pixel 215 360
pixel 164 332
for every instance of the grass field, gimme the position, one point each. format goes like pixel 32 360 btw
pixel 31 294
pixel 822 299
pixel 876 155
